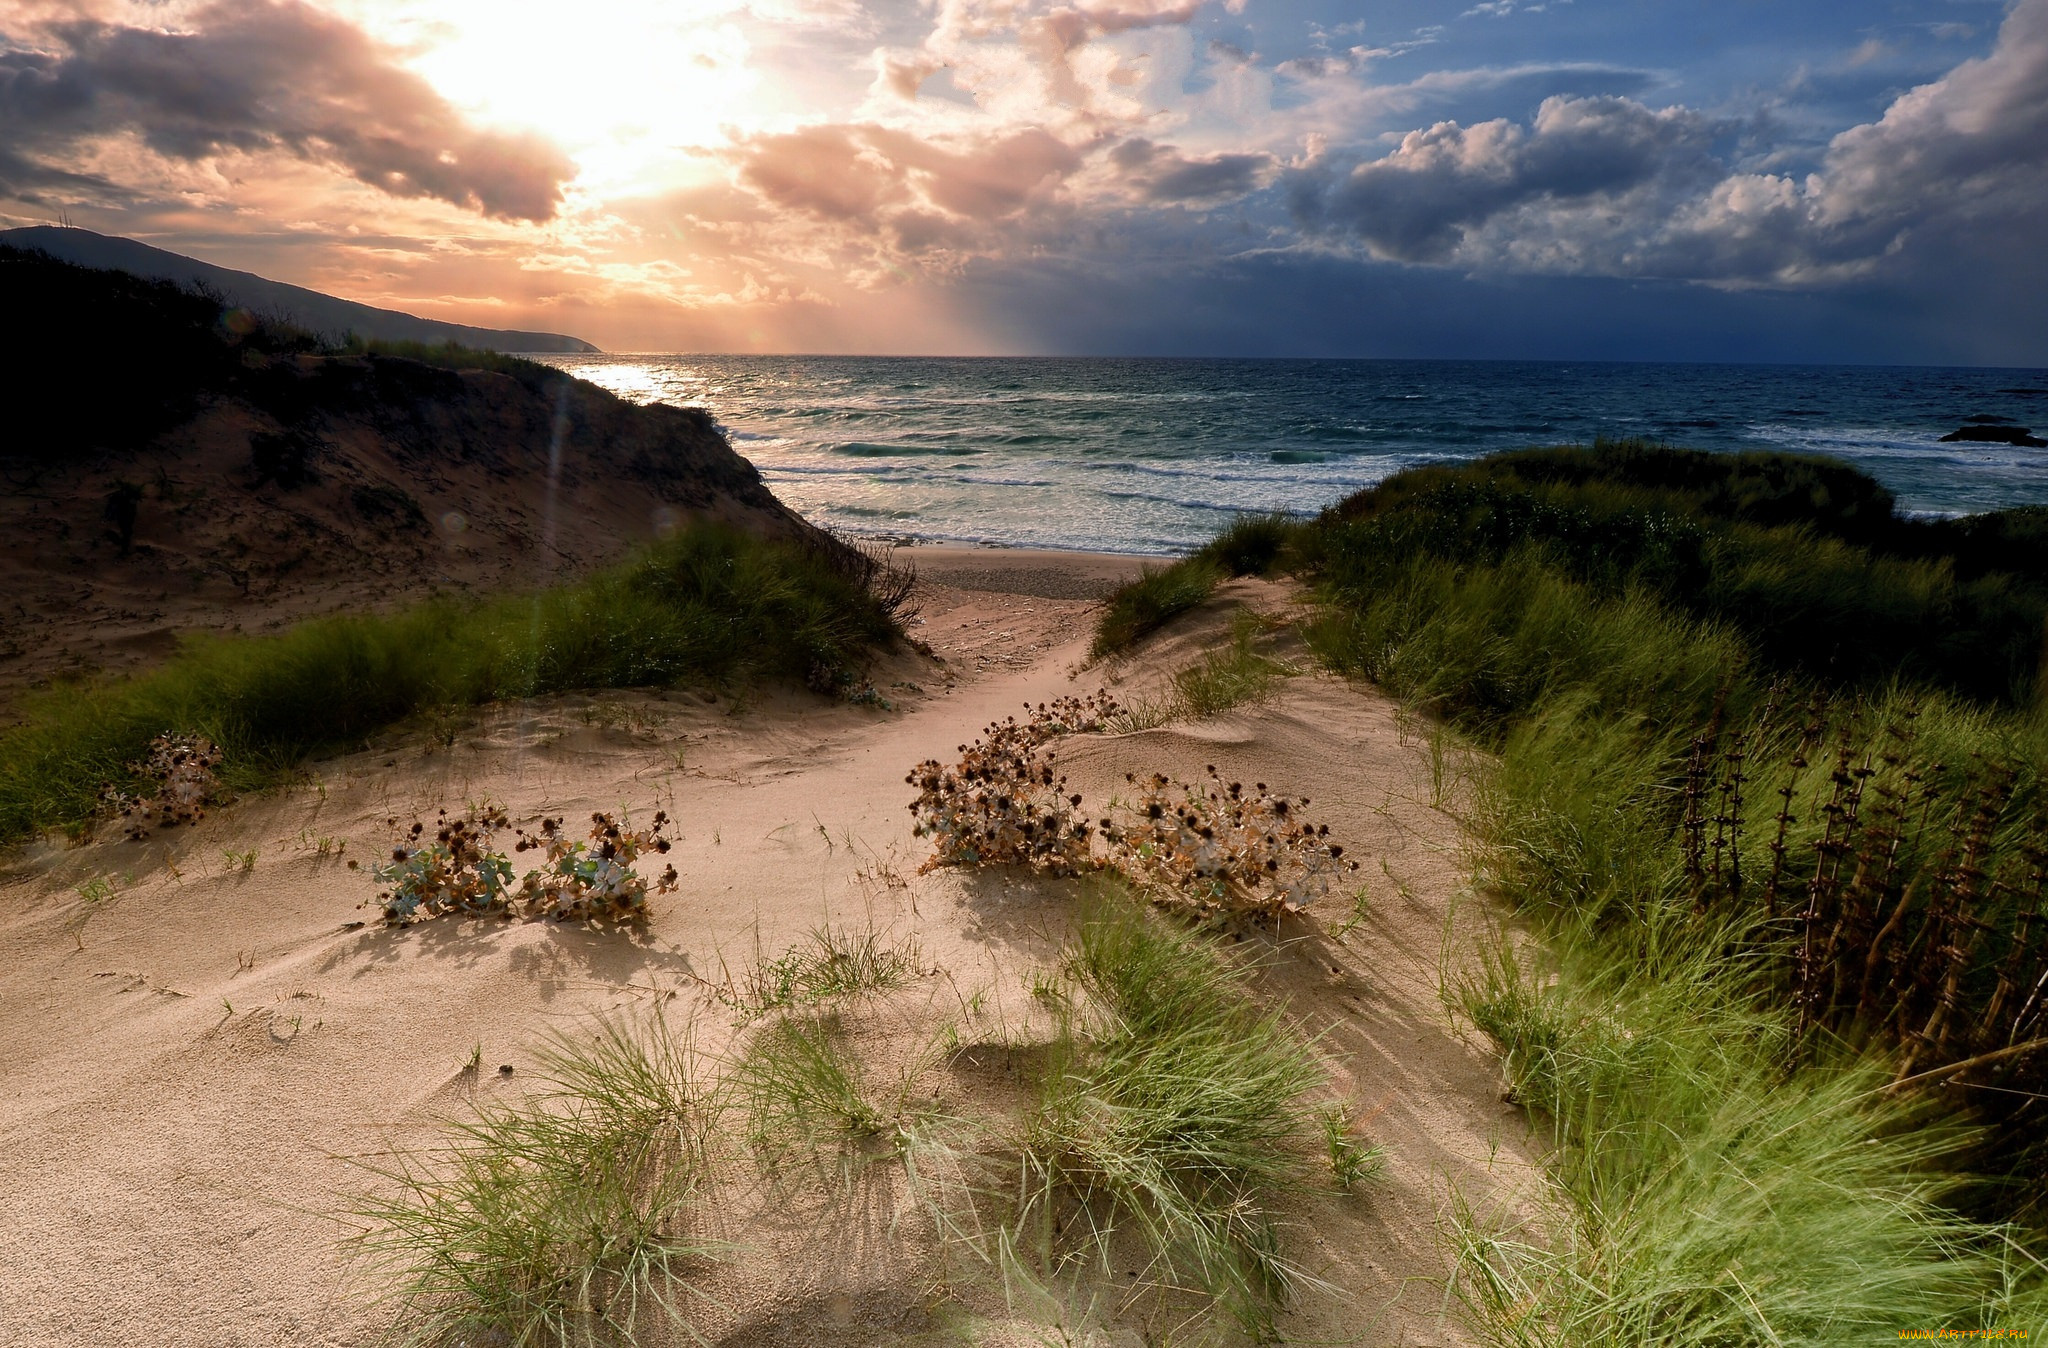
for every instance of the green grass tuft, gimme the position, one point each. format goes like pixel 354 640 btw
pixel 709 603
pixel 556 1222
pixel 1175 1109
pixel 1155 598
pixel 1253 545
pixel 800 1085
pixel 1229 676
pixel 833 963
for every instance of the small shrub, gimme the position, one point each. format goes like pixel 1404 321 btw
pixel 1220 851
pixel 181 784
pixel 1214 850
pixel 593 881
pixel 1004 803
pixel 457 871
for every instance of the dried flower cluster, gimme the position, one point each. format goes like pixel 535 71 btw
pixel 1218 849
pixel 458 871
pixel 1004 803
pixel 593 881
pixel 1214 849
pixel 454 872
pixel 180 772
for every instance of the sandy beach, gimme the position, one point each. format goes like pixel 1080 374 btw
pixel 208 1045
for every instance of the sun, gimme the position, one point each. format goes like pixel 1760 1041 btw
pixel 622 85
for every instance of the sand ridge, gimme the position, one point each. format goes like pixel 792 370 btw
pixel 194 1059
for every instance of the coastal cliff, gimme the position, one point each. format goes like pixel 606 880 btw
pixel 173 467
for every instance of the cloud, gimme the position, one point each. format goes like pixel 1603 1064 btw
pixel 1163 175
pixel 863 172
pixel 264 76
pixel 1609 186
pixel 1419 203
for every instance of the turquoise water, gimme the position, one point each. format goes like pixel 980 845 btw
pixel 1153 456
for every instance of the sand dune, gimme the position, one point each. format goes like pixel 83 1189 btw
pixel 194 1059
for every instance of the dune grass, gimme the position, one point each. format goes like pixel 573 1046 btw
pixel 1252 545
pixel 1705 1196
pixel 1173 1112
pixel 801 1084
pixel 561 1221
pixel 1764 764
pixel 834 963
pixel 1155 598
pixel 708 604
pixel 1229 676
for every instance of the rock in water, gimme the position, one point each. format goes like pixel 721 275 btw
pixel 1996 435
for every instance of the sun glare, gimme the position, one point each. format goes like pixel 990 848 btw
pixel 620 84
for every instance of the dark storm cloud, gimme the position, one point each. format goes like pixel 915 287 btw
pixel 1161 174
pixel 1608 186
pixel 268 75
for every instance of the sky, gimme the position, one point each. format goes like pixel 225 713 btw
pixel 1730 180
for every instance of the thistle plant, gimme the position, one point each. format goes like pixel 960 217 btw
pixel 1005 803
pixel 179 770
pixel 455 872
pixel 1222 851
pixel 459 871
pixel 1215 849
pixel 594 880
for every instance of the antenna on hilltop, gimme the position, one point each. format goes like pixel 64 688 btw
pixel 64 219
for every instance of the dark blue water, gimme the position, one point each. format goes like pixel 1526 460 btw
pixel 1155 455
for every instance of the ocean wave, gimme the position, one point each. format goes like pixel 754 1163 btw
pixel 873 449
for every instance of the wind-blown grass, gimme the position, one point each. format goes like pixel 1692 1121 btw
pixel 1707 1198
pixel 709 603
pixel 834 962
pixel 1174 1110
pixel 1229 676
pixel 800 1084
pixel 1155 598
pixel 561 1221
pixel 1653 645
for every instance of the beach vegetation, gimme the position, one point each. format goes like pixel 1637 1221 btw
pixel 1253 545
pixel 561 1220
pixel 594 880
pixel 1233 675
pixel 174 784
pixel 834 963
pixel 460 872
pixel 800 1083
pixel 1216 850
pixel 1158 596
pixel 1762 763
pixel 709 604
pixel 1173 1112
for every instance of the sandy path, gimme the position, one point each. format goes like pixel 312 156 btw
pixel 190 1061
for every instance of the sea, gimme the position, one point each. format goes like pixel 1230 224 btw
pixel 1153 456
